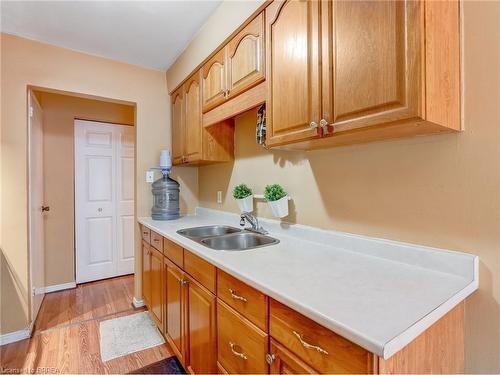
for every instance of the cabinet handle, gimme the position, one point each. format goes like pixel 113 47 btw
pixel 156 240
pixel 232 345
pixel 324 125
pixel 235 296
pixel 306 345
pixel 45 208
pixel 313 125
pixel 145 233
pixel 270 358
pixel 184 282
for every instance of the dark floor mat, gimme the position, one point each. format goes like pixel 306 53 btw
pixel 169 365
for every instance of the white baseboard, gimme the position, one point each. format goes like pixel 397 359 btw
pixel 57 287
pixel 22 334
pixel 138 303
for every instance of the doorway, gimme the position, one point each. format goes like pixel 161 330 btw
pixel 104 200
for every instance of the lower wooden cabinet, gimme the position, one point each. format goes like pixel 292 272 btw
pixel 283 361
pixel 176 309
pixel 157 287
pixel 201 330
pixel 146 276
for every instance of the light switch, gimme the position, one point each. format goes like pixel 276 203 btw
pixel 150 176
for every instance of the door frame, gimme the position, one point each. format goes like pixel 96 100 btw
pixel 31 306
pixel 115 208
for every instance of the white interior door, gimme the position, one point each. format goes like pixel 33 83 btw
pixel 104 200
pixel 36 198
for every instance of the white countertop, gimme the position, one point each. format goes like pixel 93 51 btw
pixel 377 293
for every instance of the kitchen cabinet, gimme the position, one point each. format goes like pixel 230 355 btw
pixel 201 329
pixel 236 67
pixel 344 72
pixel 293 71
pixel 176 309
pixel 146 273
pixel 157 286
pixel 192 144
pixel 178 132
pixel 283 361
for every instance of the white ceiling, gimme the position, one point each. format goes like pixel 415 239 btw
pixel 146 33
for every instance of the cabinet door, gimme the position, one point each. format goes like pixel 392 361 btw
pixel 193 126
pixel 157 287
pixel 282 361
pixel 176 310
pixel 146 273
pixel 372 62
pixel 178 123
pixel 214 81
pixel 202 332
pixel 292 58
pixel 245 58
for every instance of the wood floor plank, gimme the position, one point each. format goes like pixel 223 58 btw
pixel 66 336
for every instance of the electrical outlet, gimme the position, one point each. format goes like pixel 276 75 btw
pixel 150 176
pixel 219 197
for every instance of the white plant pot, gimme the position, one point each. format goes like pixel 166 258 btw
pixel 245 204
pixel 279 207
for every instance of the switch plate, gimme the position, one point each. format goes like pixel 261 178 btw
pixel 219 197
pixel 150 176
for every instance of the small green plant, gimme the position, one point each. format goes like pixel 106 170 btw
pixel 241 191
pixel 274 192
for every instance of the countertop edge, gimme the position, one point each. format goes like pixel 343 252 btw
pixel 384 350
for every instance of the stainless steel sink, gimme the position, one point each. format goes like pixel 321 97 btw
pixel 222 237
pixel 239 241
pixel 207 231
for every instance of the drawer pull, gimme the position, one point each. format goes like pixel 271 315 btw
pixel 235 296
pixel 232 345
pixel 306 345
pixel 156 240
pixel 145 233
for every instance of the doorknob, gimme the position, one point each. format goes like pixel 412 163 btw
pixel 45 208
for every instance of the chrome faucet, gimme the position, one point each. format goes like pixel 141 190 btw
pixel 254 222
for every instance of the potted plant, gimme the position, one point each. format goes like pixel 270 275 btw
pixel 277 198
pixel 243 195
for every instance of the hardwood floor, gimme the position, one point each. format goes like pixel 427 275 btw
pixel 66 334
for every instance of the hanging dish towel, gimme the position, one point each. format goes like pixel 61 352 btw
pixel 260 133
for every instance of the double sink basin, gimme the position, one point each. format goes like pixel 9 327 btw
pixel 222 237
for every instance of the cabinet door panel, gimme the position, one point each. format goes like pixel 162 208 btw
pixel 373 50
pixel 157 287
pixel 285 362
pixel 178 133
pixel 214 81
pixel 292 58
pixel 245 57
pixel 175 297
pixel 202 332
pixel 193 125
pixel 146 276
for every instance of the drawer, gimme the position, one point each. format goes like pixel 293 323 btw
pixel 173 252
pixel 248 301
pixel 316 345
pixel 157 241
pixel 201 270
pixel 241 346
pixel 146 233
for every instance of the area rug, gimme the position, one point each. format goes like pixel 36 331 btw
pixel 127 334
pixel 165 366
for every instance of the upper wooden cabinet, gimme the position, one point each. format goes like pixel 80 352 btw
pixel 293 87
pixel 191 142
pixel 214 81
pixel 236 67
pixel 343 72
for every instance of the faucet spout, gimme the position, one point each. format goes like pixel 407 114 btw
pixel 253 221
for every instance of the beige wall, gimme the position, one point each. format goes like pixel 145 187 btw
pixel 439 191
pixel 25 62
pixel 59 113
